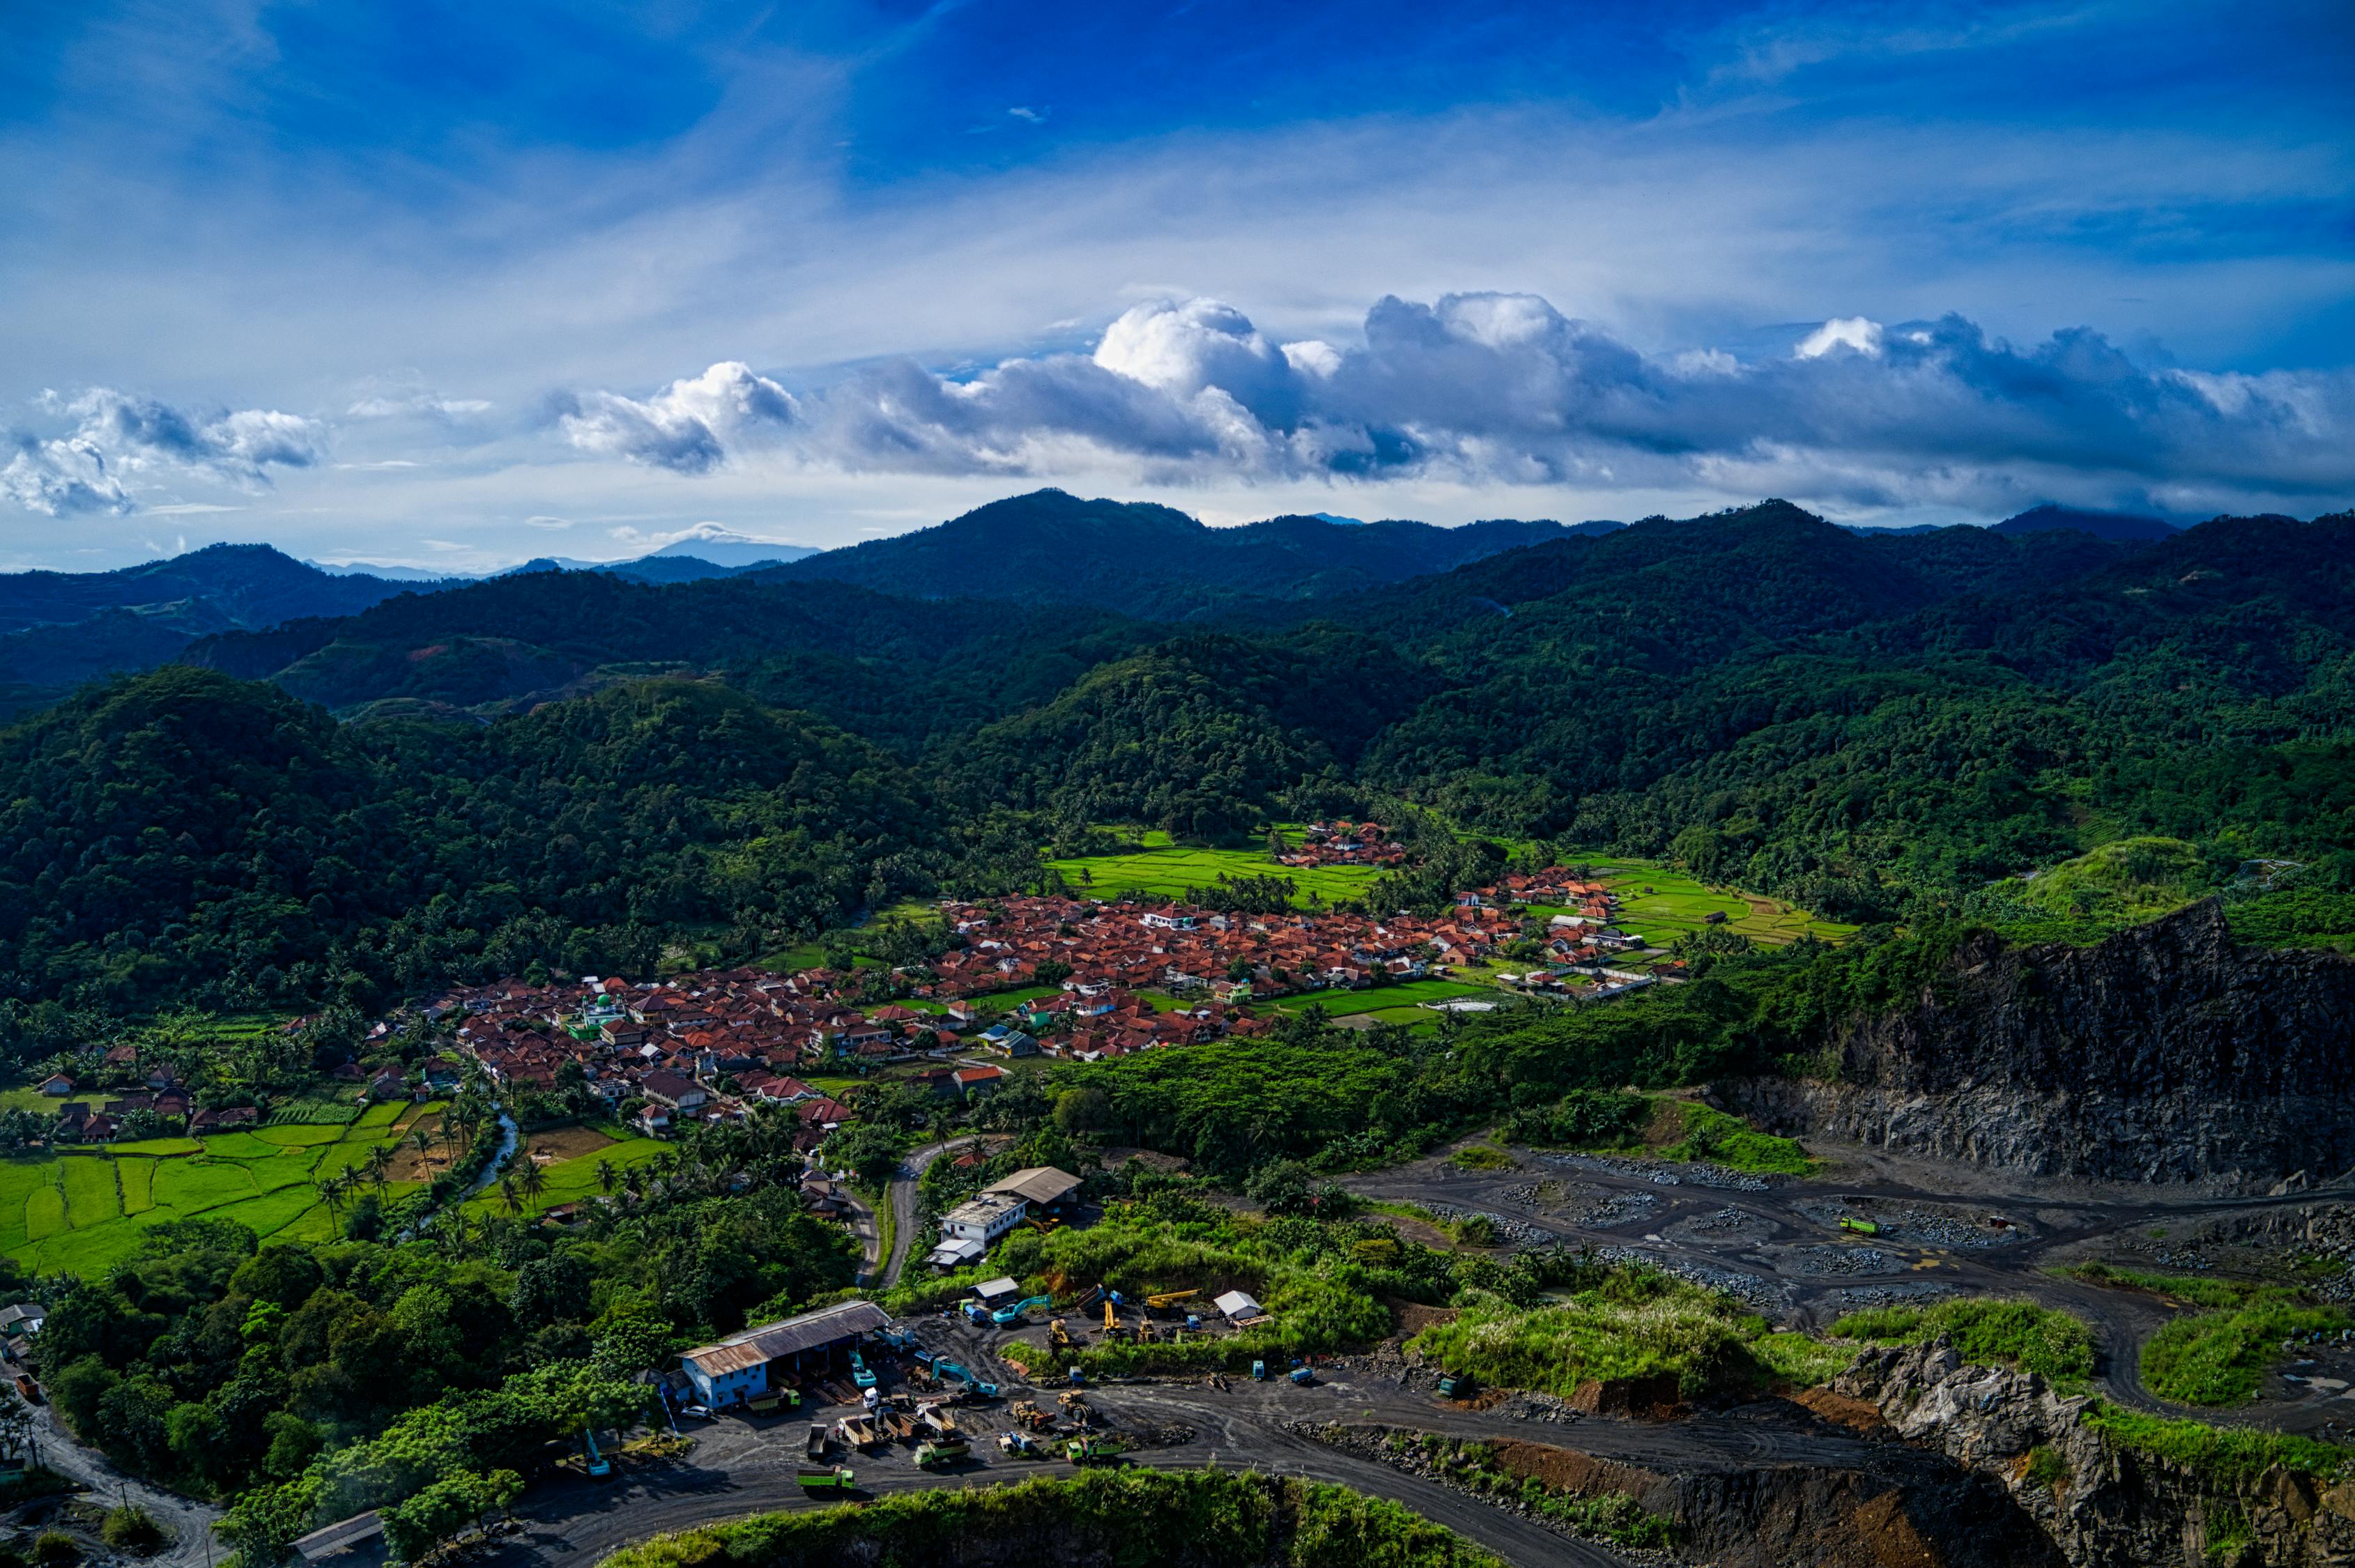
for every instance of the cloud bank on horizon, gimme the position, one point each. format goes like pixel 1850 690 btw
pixel 1503 389
pixel 427 285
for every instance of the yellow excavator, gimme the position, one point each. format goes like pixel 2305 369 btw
pixel 1058 1335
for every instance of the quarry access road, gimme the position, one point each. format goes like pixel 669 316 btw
pixel 744 1465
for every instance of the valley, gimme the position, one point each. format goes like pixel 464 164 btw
pixel 1815 1039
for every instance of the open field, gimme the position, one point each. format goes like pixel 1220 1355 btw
pixel 1163 868
pixel 570 1174
pixel 1676 905
pixel 85 1209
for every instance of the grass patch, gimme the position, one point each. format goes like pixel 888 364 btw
pixel 45 1212
pixel 1711 1134
pixel 1631 1323
pixel 92 1197
pixel 2018 1334
pixel 1800 1359
pixel 302 1135
pixel 2218 1355
pixel 1165 871
pixel 2218 1358
pixel 2232 1457
pixel 1482 1157
pixel 138 1177
pixel 1679 905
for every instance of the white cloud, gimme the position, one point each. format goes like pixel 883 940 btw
pixel 116 436
pixel 1493 388
pixel 1843 331
pixel 690 426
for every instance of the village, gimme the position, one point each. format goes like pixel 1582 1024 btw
pixel 1061 978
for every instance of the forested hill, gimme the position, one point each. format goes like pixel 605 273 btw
pixel 1050 547
pixel 180 834
pixel 58 628
pixel 1881 727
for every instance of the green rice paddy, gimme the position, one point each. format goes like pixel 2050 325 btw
pixel 85 1210
pixel 1163 868
pixel 1660 903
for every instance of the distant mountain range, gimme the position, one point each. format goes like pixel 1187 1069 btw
pixel 1139 559
pixel 1136 560
pixel 2122 526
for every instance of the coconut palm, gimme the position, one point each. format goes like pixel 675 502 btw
pixel 508 1194
pixel 533 1181
pixel 607 1176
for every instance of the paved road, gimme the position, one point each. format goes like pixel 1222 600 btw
pixel 190 1522
pixel 902 1195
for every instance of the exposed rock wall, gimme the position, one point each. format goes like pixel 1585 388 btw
pixel 2107 1506
pixel 2163 1054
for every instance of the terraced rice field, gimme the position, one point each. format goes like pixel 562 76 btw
pixel 85 1210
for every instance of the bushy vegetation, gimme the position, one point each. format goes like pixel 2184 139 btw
pixel 1166 1519
pixel 2019 1334
pixel 297 1378
pixel 1611 1323
pixel 2219 1355
pixel 2230 1457
pixel 1711 1134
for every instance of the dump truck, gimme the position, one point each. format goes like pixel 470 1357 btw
pixel 943 1451
pixel 1303 1376
pixel 816 1447
pixel 1092 1448
pixel 1861 1227
pixel 1258 1372
pixel 1452 1386
pixel 1018 1443
pixel 825 1479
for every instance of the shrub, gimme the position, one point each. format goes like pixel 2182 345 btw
pixel 56 1549
pixel 132 1529
pixel 2054 1345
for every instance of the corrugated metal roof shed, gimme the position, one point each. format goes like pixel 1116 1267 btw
pixel 1041 1184
pixel 806 1332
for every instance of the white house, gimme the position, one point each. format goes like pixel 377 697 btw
pixel 984 1217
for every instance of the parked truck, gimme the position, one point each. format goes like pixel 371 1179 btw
pixel 826 1478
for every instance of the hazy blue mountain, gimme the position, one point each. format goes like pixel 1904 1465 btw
pixel 1145 559
pixel 2123 526
pixel 59 628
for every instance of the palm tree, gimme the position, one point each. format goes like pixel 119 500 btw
pixel 633 1182
pixel 380 1162
pixel 533 1181
pixel 606 1175
pixel 508 1193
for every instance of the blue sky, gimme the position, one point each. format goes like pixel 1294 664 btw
pixel 453 283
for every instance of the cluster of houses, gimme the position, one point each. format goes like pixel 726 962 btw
pixel 1345 844
pixel 702 1048
pixel 155 1090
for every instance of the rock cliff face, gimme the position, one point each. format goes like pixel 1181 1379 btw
pixel 2101 1504
pixel 2163 1054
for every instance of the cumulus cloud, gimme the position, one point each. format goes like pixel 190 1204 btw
pixel 1504 388
pixel 691 426
pixel 115 435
